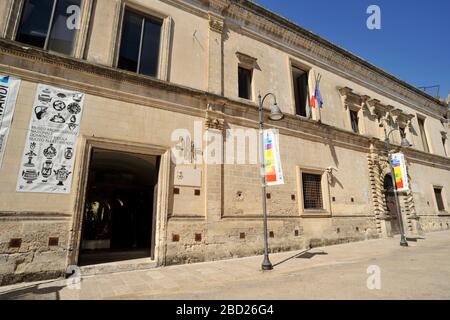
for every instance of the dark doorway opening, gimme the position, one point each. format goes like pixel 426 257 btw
pixel 391 205
pixel 119 214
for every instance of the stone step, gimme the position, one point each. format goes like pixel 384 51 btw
pixel 119 266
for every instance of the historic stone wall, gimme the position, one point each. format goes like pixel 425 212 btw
pixel 205 43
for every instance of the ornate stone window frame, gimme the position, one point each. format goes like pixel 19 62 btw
pixel 314 213
pixel 15 13
pixel 86 145
pixel 402 120
pixel 353 102
pixel 166 35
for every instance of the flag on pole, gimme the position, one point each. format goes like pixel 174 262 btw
pixel 316 99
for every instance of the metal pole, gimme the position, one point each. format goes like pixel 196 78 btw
pixel 403 241
pixel 266 264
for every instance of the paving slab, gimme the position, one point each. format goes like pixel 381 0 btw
pixel 420 271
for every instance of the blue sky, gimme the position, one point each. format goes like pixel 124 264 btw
pixel 413 43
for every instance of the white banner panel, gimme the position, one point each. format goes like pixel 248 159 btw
pixel 401 176
pixel 9 88
pixel 274 172
pixel 50 148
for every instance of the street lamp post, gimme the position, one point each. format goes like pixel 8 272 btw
pixel 275 114
pixel 404 143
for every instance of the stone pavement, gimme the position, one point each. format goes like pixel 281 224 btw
pixel 420 271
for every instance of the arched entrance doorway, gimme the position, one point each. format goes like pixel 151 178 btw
pixel 391 205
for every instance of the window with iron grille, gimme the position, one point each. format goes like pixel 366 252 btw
pixel 439 200
pixel 312 191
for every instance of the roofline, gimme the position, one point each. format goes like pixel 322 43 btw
pixel 286 23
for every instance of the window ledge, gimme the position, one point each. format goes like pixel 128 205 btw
pixel 246 101
pixel 316 214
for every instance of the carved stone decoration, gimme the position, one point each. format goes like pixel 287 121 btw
pixel 212 121
pixel 405 119
pixel 353 100
pixel 217 6
pixel 364 105
pixel 376 191
pixel 381 112
pixel 216 24
pixel 344 92
pixel 379 167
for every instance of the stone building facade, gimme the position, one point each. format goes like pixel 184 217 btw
pixel 209 61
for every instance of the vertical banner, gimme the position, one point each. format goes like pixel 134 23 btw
pixel 49 153
pixel 401 176
pixel 9 88
pixel 274 173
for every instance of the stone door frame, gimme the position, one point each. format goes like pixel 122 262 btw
pixel 162 201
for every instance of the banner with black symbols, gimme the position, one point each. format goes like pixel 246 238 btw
pixel 9 88
pixel 49 154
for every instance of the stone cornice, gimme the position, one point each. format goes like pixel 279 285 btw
pixel 251 14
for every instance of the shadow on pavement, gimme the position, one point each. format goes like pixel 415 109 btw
pixel 33 292
pixel 306 254
pixel 309 255
pixel 414 239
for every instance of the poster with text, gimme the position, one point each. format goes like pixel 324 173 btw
pixel 401 176
pixel 9 88
pixel 274 173
pixel 50 149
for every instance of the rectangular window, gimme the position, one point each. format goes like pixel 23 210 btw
pixel 300 79
pixel 402 132
pixel 245 83
pixel 444 143
pixel 49 24
pixel 439 200
pixel 140 44
pixel 423 134
pixel 354 121
pixel 312 191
